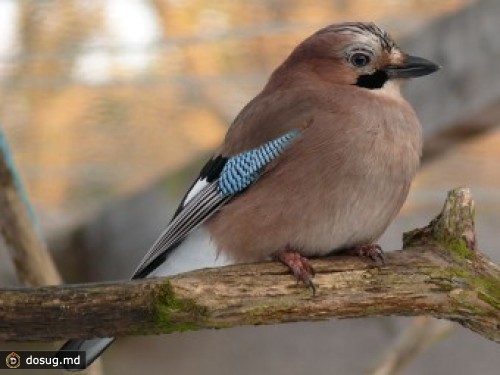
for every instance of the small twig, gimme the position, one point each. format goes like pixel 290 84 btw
pixel 422 333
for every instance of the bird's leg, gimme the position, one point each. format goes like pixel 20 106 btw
pixel 300 266
pixel 372 251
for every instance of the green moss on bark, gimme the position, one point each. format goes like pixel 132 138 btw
pixel 173 314
pixel 457 247
pixel 489 290
pixel 487 287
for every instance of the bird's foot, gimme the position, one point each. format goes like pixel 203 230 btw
pixel 372 251
pixel 300 267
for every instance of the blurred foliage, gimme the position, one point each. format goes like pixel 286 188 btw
pixel 83 137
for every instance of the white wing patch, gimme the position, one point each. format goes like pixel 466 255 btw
pixel 197 187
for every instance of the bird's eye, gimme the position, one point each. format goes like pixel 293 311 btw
pixel 359 59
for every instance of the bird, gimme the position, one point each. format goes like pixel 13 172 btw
pixel 318 163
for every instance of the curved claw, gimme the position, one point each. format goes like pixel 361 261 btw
pixel 301 267
pixel 377 254
pixel 309 283
pixel 372 251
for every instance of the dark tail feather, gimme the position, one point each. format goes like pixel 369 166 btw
pixel 93 348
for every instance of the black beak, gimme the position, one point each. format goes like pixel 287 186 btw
pixel 411 68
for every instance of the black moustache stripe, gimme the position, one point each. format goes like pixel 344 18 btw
pixel 373 81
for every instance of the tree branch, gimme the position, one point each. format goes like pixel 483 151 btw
pixel 439 273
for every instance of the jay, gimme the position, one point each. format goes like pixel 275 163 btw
pixel 319 162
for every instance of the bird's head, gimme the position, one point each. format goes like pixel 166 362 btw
pixel 356 53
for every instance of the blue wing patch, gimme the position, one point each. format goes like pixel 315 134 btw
pixel 244 169
pixel 220 180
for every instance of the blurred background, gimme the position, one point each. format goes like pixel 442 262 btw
pixel 110 107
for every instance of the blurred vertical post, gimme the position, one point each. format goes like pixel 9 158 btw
pixel 22 235
pixel 18 227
